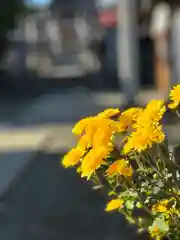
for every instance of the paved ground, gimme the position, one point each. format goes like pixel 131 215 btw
pixel 40 200
pixel 48 202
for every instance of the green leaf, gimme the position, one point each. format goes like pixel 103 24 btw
pixel 138 205
pixel 111 193
pixel 123 194
pixel 147 200
pixel 129 204
pixel 148 192
pixel 155 176
pixel 160 224
pixel 129 194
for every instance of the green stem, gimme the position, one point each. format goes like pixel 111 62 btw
pixel 154 168
pixel 170 162
pixel 164 181
pixel 140 199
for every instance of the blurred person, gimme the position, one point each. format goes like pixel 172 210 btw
pixel 175 41
pixel 160 33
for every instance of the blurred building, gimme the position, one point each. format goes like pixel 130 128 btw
pixel 54 42
pixel 74 38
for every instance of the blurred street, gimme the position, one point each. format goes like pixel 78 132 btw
pixel 38 198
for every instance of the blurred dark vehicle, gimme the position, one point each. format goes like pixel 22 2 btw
pixel 48 45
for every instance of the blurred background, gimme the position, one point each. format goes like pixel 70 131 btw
pixel 62 60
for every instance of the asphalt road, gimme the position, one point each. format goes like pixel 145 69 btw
pixel 38 199
pixel 48 202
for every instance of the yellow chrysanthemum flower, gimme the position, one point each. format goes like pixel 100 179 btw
pixel 143 138
pixel 152 114
pixel 128 117
pixel 155 109
pixel 98 133
pixel 121 167
pixel 104 133
pixel 80 126
pixel 174 96
pixel 102 137
pixel 108 113
pixel 86 139
pixel 72 157
pixel 114 204
pixel 95 131
pixel 93 161
pixel 161 206
pixel 137 141
pixel 173 105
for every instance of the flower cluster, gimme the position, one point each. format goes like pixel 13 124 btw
pixel 127 154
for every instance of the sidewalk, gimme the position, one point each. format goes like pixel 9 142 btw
pixel 25 124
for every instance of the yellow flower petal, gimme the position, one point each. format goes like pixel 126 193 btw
pixel 72 157
pixel 104 132
pixel 152 114
pixel 93 160
pixel 109 113
pixel 128 117
pixel 80 126
pixel 114 204
pixel 174 94
pixel 143 138
pixel 120 167
pixel 161 206
pixel 173 105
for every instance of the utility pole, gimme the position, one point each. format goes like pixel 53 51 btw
pixel 127 47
